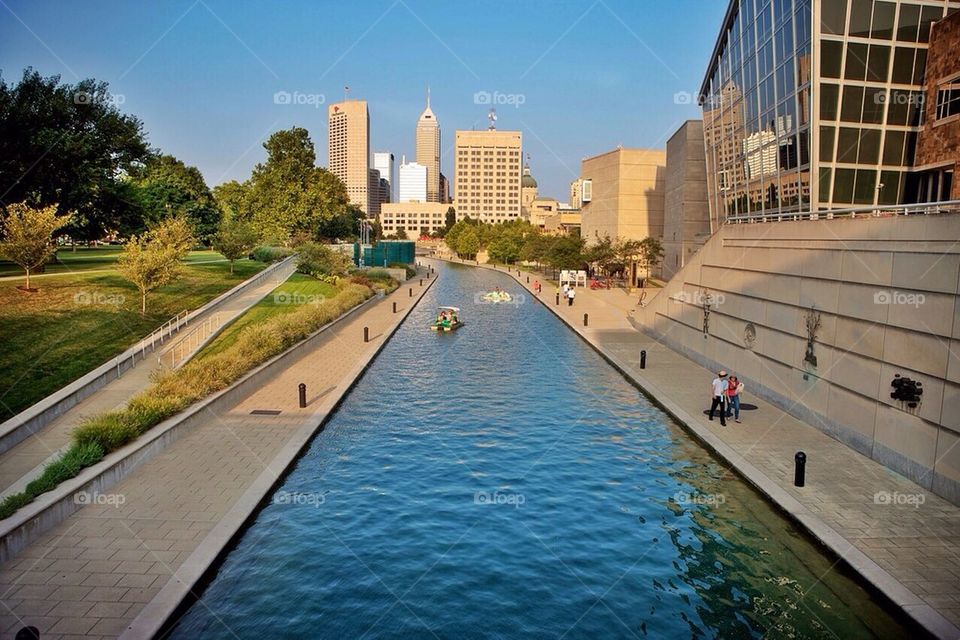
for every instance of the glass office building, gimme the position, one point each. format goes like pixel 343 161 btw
pixel 815 104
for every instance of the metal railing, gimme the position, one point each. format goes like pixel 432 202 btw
pixel 880 211
pixel 162 333
pixel 184 348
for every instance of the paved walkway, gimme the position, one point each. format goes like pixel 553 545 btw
pixel 23 462
pixel 93 574
pixel 917 544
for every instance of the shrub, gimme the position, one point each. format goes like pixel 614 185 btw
pixel 76 458
pixel 270 254
pixel 411 271
pixel 318 260
pixel 109 430
pixel 361 279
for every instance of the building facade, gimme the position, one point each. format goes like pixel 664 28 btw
pixel 413 182
pixel 383 162
pixel 938 144
pixel 487 174
pixel 783 134
pixel 576 193
pixel 414 218
pixel 628 187
pixel 375 196
pixel 686 215
pixel 348 146
pixel 428 150
pixel 528 191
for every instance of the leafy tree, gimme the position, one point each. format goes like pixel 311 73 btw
pixel 468 243
pixel 565 252
pixel 168 188
pixel 28 235
pixel 288 193
pixel 234 240
pixel 154 258
pixel 535 248
pixel 69 146
pixel 319 260
pixel 651 252
pixel 233 199
pixel 627 251
pixel 604 255
pixel 341 226
pixel 449 219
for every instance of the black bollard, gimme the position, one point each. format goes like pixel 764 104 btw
pixel 366 334
pixel 411 293
pixel 421 282
pixel 799 475
pixel 558 298
pixel 585 319
pixel 394 307
pixel 643 358
pixel 303 395
pixel 528 279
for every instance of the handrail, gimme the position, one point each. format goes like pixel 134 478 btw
pixel 877 211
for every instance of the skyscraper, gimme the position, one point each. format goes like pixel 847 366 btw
pixel 413 182
pixel 383 162
pixel 487 174
pixel 349 148
pixel 428 150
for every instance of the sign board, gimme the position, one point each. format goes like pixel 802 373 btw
pixel 573 278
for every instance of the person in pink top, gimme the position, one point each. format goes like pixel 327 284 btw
pixel 734 389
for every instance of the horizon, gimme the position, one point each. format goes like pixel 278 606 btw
pixel 227 60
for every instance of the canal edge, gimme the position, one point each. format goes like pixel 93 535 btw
pixel 157 617
pixel 879 579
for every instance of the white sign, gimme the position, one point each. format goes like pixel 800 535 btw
pixel 573 278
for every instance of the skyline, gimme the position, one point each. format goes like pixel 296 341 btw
pixel 548 64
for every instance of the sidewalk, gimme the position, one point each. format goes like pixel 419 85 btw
pixel 23 462
pixel 917 545
pixel 96 572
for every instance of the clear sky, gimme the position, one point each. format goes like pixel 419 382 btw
pixel 577 77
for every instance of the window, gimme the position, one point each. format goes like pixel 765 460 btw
pixel 833 17
pixel 883 15
pixel 860 18
pixel 948 100
pixel 831 58
pixel 856 68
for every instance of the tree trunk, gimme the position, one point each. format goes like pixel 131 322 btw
pixel 28 277
pixel 143 304
pixel 231 267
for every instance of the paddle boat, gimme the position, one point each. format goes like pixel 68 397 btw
pixel 448 319
pixel 496 296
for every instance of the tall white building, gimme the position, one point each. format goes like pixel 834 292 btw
pixel 413 182
pixel 383 162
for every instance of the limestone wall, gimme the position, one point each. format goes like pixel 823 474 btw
pixel 884 292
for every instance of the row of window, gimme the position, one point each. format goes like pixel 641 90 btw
pixel 876 19
pixel 871 62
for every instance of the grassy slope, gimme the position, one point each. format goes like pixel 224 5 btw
pixel 50 338
pixel 286 298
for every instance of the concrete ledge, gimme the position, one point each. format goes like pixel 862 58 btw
pixel 159 613
pixel 53 507
pixel 34 418
pixel 877 577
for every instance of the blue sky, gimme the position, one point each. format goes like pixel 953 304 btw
pixel 577 77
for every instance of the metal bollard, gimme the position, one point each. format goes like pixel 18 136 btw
pixel 303 395
pixel 366 334
pixel 411 292
pixel 394 307
pixel 643 358
pixel 558 298
pixel 799 474
pixel 528 279
pixel 585 317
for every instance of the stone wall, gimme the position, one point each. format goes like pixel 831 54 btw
pixel 819 316
pixel 686 216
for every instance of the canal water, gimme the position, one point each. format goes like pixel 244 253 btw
pixel 503 481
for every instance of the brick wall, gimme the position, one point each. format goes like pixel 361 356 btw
pixel 940 142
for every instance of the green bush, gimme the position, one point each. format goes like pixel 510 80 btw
pixel 270 254
pixel 109 430
pixel 77 458
pixel 320 260
pixel 411 271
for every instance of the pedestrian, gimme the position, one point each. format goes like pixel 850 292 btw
pixel 536 286
pixel 566 289
pixel 734 389
pixel 570 294
pixel 718 393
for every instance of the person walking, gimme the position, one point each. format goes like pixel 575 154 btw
pixel 536 286
pixel 570 294
pixel 734 389
pixel 565 289
pixel 718 392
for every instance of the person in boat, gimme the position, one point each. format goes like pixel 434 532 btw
pixel 453 317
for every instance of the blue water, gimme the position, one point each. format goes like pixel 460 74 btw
pixel 503 481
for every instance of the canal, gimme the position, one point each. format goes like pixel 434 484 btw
pixel 503 481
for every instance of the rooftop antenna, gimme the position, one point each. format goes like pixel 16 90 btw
pixel 492 117
pixel 346 93
pixel 428 96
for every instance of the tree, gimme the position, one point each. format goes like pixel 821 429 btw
pixel 565 252
pixel 318 260
pixel 233 199
pixel 153 259
pixel 449 219
pixel 288 193
pixel 234 240
pixel 168 188
pixel 468 243
pixel 627 251
pixel 70 146
pixel 28 235
pixel 341 226
pixel 604 255
pixel 651 251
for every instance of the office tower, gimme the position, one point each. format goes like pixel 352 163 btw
pixel 487 174
pixel 374 196
pixel 428 150
pixel 383 162
pixel 413 182
pixel 349 148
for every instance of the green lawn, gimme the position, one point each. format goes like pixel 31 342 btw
pixel 286 298
pixel 78 321
pixel 90 258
